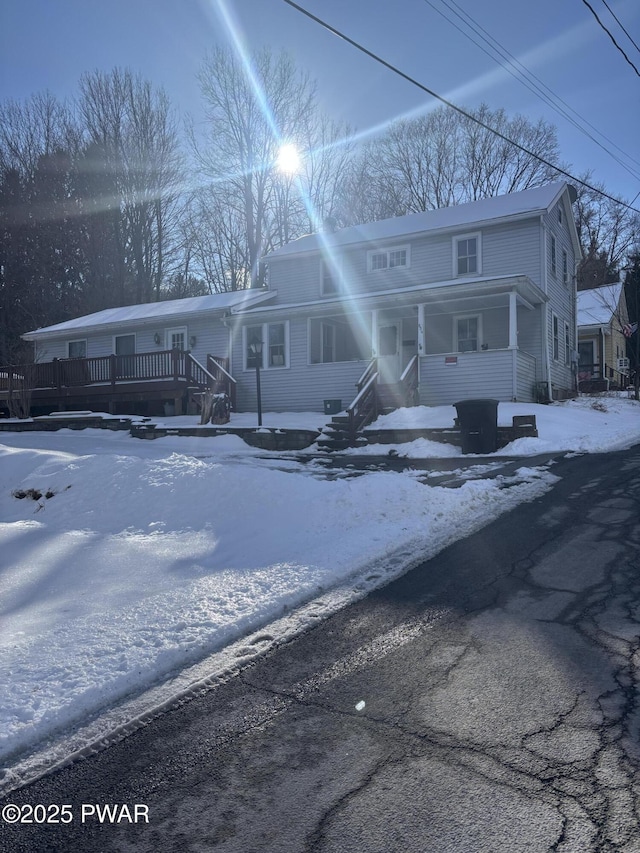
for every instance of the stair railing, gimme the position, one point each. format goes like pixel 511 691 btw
pixel 364 407
pixel 409 383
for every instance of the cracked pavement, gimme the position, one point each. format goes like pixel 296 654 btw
pixel 501 713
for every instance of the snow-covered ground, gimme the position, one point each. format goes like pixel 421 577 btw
pixel 130 564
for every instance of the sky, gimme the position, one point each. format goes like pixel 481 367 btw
pixel 49 44
pixel 117 599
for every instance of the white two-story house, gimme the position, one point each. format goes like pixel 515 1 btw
pixel 477 300
pixel 482 295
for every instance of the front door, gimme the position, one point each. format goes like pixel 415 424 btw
pixel 389 364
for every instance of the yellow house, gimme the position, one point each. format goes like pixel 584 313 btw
pixel 602 364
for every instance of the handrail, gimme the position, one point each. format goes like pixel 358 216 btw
pixel 372 365
pixel 361 393
pixel 203 369
pixel 221 368
pixel 409 368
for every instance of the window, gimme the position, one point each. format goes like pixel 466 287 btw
pixel 560 214
pixel 77 349
pixel 567 344
pixel 176 338
pixel 467 331
pixel 556 338
pixel 388 259
pixel 327 343
pixel 275 346
pixel 124 344
pixel 340 337
pixel 328 278
pixel 553 255
pixel 565 267
pixel 466 254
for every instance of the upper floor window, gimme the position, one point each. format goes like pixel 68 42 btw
pixel 466 254
pixel 329 277
pixel 77 349
pixel 554 264
pixel 565 267
pixel 560 214
pixel 387 259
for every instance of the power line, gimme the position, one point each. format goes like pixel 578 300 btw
pixel 521 73
pixel 448 103
pixel 619 22
pixel 595 15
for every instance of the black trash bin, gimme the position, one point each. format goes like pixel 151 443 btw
pixel 478 421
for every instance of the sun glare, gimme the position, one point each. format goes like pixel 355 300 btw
pixel 288 159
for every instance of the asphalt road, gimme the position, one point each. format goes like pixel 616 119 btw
pixel 486 701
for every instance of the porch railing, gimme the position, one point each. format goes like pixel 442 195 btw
pixel 589 374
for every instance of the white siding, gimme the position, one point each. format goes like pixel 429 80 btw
pixel 476 375
pixel 511 248
pixel 562 297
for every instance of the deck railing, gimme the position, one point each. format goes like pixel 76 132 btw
pixel 109 369
pixel 218 367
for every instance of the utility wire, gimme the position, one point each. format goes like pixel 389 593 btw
pixel 595 15
pixel 619 22
pixel 521 73
pixel 448 103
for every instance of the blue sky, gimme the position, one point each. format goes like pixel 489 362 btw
pixel 49 44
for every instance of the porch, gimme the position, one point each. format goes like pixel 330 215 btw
pixel 153 382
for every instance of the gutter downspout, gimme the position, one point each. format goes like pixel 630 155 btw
pixel 543 276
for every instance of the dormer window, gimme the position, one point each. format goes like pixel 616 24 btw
pixel 388 259
pixel 466 254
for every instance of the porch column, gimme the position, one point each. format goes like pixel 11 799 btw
pixel 420 329
pixel 374 332
pixel 513 321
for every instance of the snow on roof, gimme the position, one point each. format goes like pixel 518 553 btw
pixel 131 314
pixel 537 200
pixel 597 306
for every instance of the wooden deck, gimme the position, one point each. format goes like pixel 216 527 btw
pixel 115 383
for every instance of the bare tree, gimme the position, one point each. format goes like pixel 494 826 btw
pixel 444 158
pixel 251 112
pixel 609 232
pixel 129 124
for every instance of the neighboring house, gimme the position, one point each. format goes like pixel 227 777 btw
pixel 602 312
pixel 472 301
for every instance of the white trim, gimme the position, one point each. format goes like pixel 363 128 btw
pixel 456 319
pixel 457 238
pixel 78 341
pixel 387 251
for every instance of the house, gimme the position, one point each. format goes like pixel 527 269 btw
pixel 472 301
pixel 478 298
pixel 602 314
